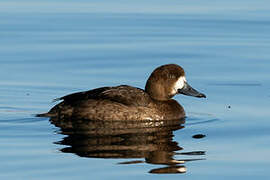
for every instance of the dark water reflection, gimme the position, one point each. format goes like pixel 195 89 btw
pixel 151 140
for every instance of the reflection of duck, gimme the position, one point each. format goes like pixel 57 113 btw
pixel 130 103
pixel 151 140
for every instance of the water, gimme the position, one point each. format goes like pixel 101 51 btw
pixel 49 49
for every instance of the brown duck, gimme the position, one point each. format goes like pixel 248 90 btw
pixel 130 103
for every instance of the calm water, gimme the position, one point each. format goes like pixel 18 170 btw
pixel 49 49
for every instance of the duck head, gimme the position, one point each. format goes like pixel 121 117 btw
pixel 167 81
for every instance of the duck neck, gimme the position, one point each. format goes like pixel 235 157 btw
pixel 157 92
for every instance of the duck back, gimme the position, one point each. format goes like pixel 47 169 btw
pixel 115 103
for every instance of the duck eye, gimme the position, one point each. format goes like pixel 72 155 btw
pixel 171 76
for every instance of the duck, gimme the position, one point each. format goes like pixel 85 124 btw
pixel 128 103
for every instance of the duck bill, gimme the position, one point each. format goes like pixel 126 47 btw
pixel 189 91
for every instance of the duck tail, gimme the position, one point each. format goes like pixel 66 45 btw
pixel 44 115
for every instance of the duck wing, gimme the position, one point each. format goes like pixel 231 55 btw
pixel 91 94
pixel 123 94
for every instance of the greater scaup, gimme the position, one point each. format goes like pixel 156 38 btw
pixel 130 103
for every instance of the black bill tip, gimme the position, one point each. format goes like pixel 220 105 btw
pixel 201 95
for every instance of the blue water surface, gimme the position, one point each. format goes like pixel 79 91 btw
pixel 51 48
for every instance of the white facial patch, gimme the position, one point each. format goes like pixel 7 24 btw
pixel 179 84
